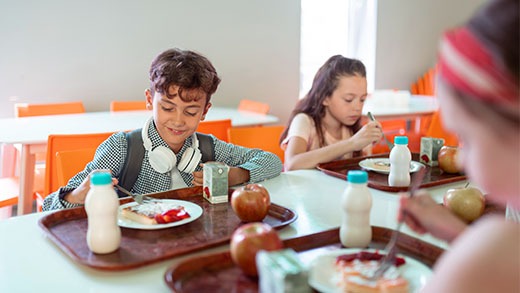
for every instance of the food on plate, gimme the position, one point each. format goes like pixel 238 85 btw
pixel 155 212
pixel 247 240
pixel 355 271
pixel 251 202
pixel 467 203
pixel 448 161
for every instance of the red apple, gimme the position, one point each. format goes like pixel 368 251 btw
pixel 247 240
pixel 447 158
pixel 467 203
pixel 251 202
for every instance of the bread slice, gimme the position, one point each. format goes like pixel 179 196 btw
pixel 145 213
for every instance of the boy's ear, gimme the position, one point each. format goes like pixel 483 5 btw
pixel 205 112
pixel 149 99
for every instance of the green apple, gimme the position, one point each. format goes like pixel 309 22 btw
pixel 467 203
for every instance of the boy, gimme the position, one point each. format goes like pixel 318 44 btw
pixel 182 83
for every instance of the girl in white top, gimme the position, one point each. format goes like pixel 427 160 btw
pixel 326 124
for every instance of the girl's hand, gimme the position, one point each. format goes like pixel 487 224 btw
pixel 423 215
pixel 368 134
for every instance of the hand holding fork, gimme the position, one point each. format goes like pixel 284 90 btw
pixel 391 247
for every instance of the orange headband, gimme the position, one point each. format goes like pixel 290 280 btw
pixel 466 64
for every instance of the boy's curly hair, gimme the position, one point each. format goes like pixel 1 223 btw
pixel 188 70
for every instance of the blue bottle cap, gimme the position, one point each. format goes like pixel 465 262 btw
pixel 357 176
pixel 100 178
pixel 401 140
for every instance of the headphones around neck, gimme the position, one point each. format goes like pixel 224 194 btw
pixel 163 159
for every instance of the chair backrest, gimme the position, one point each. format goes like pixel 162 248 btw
pixel 69 163
pixel 66 142
pixel 27 109
pixel 436 129
pixel 253 106
pixel 127 105
pixel 260 137
pixel 218 128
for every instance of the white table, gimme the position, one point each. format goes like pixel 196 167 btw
pixel 29 262
pixel 32 132
pixel 415 107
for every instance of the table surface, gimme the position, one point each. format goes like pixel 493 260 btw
pixel 415 106
pixel 29 262
pixel 36 129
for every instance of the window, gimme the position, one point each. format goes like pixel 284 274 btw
pixel 330 27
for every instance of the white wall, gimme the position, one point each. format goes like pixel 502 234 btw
pixel 408 33
pixel 99 50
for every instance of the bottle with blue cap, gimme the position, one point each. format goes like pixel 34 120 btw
pixel 400 159
pixel 355 230
pixel 101 205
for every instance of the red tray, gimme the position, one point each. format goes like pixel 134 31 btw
pixel 434 176
pixel 68 228
pixel 217 272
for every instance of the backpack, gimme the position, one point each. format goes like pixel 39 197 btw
pixel 135 155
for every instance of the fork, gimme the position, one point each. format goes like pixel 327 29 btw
pixel 388 143
pixel 139 198
pixel 391 247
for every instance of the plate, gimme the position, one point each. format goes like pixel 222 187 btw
pixel 382 165
pixel 324 277
pixel 194 210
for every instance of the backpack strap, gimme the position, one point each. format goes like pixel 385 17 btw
pixel 135 155
pixel 206 146
pixel 133 161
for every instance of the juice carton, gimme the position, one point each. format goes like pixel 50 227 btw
pixel 215 186
pixel 430 147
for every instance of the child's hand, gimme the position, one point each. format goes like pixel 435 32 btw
pixel 198 177
pixel 79 194
pixel 423 215
pixel 368 134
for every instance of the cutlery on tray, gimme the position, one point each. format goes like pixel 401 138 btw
pixel 139 198
pixel 388 143
pixel 391 247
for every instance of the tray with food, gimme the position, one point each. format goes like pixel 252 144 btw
pixel 186 223
pixel 378 167
pixel 320 253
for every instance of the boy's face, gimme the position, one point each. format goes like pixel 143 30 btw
pixel 175 119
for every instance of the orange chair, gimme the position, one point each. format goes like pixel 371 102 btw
pixel 26 110
pixel 253 106
pixel 9 188
pixel 218 128
pixel 260 137
pixel 437 130
pixel 127 105
pixel 65 142
pixel 69 163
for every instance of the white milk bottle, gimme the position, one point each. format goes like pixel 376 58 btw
pixel 400 159
pixel 101 205
pixel 355 230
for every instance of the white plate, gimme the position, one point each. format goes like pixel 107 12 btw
pixel 324 277
pixel 382 165
pixel 194 210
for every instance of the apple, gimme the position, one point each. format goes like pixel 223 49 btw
pixel 467 203
pixel 251 202
pixel 447 158
pixel 247 240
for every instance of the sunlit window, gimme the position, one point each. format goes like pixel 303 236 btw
pixel 330 27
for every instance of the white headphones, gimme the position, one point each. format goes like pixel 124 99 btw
pixel 163 159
